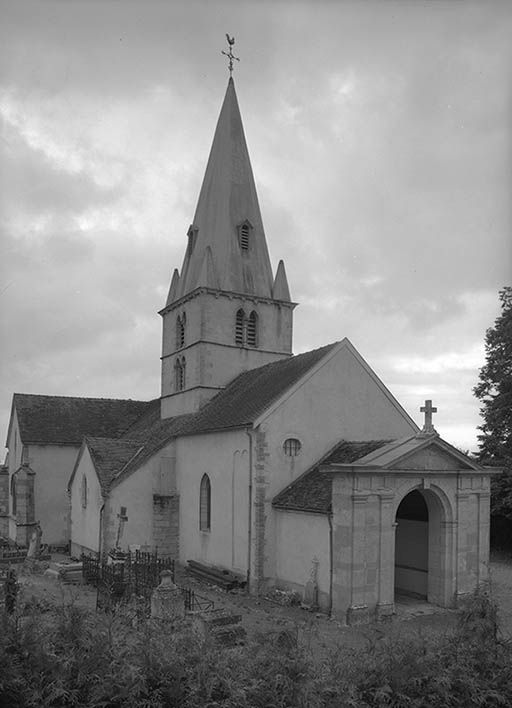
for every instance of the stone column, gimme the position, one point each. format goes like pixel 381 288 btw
pixel 167 602
pixel 386 586
pixel 483 499
pixel 259 505
pixel 358 612
pixel 342 545
pixel 464 586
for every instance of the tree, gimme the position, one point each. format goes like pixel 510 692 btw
pixel 494 390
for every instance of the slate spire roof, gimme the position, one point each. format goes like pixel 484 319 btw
pixel 227 201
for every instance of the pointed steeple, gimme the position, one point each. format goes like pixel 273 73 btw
pixel 280 289
pixel 173 290
pixel 228 218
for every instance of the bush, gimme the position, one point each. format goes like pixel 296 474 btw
pixel 72 657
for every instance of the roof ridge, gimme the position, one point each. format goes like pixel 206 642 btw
pixel 82 398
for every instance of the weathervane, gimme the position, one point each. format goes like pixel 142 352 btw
pixel 230 55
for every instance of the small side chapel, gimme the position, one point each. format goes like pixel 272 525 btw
pixel 300 472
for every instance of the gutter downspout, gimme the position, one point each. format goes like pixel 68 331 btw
pixel 329 519
pixel 100 534
pixel 249 514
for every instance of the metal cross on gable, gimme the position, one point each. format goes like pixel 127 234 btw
pixel 428 409
pixel 229 54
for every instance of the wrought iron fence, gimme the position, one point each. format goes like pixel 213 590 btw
pixel 137 574
pixel 12 554
pixel 195 602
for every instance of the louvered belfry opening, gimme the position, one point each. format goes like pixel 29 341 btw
pixel 181 322
pixel 252 330
pixel 244 237
pixel 240 328
pixel 180 373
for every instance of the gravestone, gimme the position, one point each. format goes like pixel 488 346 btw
pixel 167 602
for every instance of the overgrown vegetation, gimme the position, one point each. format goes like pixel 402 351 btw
pixel 494 391
pixel 73 657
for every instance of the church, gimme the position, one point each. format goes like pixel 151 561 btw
pixel 300 472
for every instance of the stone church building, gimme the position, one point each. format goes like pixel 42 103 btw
pixel 301 472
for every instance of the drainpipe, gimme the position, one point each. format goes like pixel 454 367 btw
pixel 249 514
pixel 329 519
pixel 100 545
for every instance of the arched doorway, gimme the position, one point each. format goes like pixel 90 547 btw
pixel 412 546
pixel 424 542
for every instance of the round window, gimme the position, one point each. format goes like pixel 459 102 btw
pixel 292 447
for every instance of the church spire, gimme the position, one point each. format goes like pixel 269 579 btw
pixel 225 312
pixel 228 219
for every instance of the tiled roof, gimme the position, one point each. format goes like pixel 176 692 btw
pixel 66 420
pixel 250 393
pixel 117 426
pixel 153 439
pixel 109 456
pixel 238 404
pixel 150 416
pixel 312 491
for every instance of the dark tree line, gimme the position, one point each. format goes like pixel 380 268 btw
pixel 494 391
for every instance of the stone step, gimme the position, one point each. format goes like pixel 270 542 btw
pixel 221 626
pixel 228 636
pixel 220 617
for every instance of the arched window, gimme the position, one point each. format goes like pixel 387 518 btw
pixel 205 502
pixel 179 374
pixel 292 447
pixel 240 326
pixel 178 332
pixel 83 491
pixel 181 321
pixel 252 330
pixel 183 372
pixel 13 495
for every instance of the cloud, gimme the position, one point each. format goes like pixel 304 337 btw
pixel 447 362
pixel 380 142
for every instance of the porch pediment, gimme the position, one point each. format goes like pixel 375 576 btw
pixel 425 453
pixel 431 458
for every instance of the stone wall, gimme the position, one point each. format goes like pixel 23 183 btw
pixel 364 524
pixel 166 524
pixel 260 503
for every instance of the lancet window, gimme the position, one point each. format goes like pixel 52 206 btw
pixel 246 329
pixel 180 373
pixel 252 330
pixel 205 502
pixel 240 328
pixel 181 322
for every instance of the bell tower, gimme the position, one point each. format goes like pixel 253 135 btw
pixel 225 312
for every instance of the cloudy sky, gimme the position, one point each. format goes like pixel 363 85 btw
pixel 379 135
